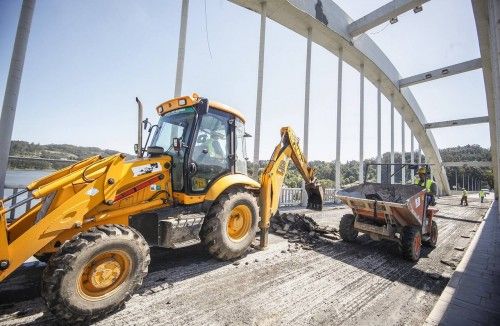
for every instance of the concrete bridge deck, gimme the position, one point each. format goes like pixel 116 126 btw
pixel 329 283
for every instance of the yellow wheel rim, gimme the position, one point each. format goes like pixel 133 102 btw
pixel 239 222
pixel 103 275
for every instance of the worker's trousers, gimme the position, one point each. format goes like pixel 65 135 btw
pixel 464 198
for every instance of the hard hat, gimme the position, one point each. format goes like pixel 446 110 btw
pixel 422 170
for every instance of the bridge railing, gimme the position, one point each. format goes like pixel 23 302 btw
pixel 293 196
pixel 20 201
pixel 289 197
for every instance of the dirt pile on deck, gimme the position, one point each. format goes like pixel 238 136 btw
pixel 301 230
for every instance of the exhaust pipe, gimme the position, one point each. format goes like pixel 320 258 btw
pixel 139 128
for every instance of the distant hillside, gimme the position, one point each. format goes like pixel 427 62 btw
pixel 52 151
pixel 465 153
pixel 325 171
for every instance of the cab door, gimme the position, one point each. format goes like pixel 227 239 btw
pixel 211 151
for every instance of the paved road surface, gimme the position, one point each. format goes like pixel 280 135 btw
pixel 335 283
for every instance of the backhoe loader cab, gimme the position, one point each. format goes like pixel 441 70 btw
pixel 206 140
pixel 96 219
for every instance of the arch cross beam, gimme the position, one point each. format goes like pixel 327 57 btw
pixel 330 29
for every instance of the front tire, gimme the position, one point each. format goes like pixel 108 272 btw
pixel 95 273
pixel 346 229
pixel 411 243
pixel 230 225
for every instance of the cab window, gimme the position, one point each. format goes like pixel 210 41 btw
pixel 211 150
pixel 240 148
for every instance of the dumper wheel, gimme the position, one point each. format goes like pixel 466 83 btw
pixel 95 273
pixel 434 236
pixel 230 225
pixel 346 230
pixel 411 243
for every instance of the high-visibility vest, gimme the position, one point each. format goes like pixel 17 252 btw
pixel 481 193
pixel 428 183
pixel 464 193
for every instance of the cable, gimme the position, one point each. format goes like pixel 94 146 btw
pixel 387 24
pixel 206 31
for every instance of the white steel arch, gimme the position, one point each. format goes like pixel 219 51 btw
pixel 329 25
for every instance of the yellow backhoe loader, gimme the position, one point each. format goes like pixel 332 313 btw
pixel 96 219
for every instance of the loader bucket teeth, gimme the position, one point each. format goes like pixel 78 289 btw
pixel 314 196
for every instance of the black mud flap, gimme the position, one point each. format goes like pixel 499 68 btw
pixel 314 196
pixel 147 225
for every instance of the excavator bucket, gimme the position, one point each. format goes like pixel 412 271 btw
pixel 314 196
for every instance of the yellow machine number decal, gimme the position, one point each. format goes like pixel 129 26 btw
pixel 199 183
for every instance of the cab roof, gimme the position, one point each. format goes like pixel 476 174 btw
pixel 185 101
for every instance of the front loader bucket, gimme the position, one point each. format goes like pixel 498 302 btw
pixel 314 196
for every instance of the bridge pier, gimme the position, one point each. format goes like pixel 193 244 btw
pixel 412 155
pixel 339 121
pixel 392 138
pixel 13 85
pixel 182 49
pixel 306 107
pixel 403 152
pixel 260 85
pixel 361 119
pixel 379 132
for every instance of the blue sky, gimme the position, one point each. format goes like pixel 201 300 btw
pixel 87 60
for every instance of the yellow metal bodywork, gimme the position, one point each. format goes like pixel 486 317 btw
pixel 239 222
pixel 108 190
pixel 185 101
pixel 85 195
pixel 89 193
pixel 103 275
pixel 227 181
pixel 217 188
pixel 274 174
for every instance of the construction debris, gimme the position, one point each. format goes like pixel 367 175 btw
pixel 301 230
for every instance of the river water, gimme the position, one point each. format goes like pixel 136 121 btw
pixel 24 177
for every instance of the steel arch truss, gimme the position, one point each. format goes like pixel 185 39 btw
pixel 330 29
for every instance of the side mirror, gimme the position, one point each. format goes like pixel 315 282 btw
pixel 176 144
pixel 136 148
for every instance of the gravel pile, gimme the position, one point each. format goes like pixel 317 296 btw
pixel 301 231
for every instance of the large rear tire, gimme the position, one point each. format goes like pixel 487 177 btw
pixel 95 273
pixel 411 243
pixel 230 225
pixel 346 229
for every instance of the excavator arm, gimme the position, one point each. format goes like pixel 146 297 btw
pixel 274 174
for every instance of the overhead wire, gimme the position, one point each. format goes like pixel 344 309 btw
pixel 206 32
pixel 387 24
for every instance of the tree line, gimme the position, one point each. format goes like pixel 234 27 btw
pixel 325 170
